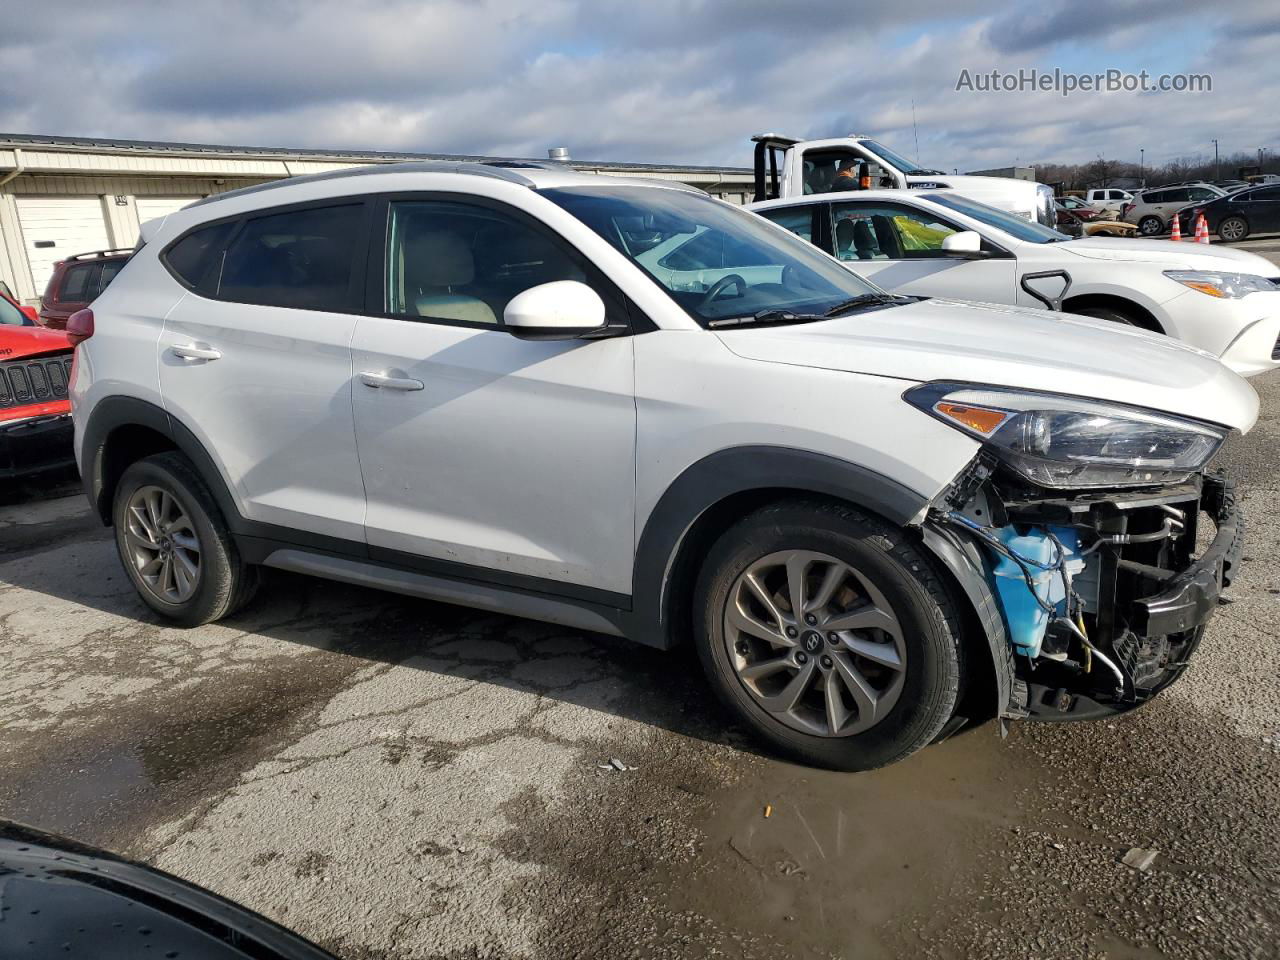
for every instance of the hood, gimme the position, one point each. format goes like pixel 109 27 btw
pixel 981 188
pixel 1173 255
pixel 17 342
pixel 1013 347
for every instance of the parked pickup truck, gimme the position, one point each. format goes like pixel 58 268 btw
pixel 787 167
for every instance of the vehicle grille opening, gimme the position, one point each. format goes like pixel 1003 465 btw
pixel 39 380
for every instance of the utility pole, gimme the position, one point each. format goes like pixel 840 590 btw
pixel 1142 166
pixel 1217 165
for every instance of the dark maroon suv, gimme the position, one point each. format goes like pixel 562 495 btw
pixel 76 283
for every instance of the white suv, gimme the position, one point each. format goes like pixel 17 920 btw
pixel 629 408
pixel 1153 210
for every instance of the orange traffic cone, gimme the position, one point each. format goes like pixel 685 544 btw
pixel 1202 230
pixel 1175 232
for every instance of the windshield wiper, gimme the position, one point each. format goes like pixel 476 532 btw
pixel 767 316
pixel 863 300
pixel 926 173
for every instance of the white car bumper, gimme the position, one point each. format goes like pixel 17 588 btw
pixel 1243 333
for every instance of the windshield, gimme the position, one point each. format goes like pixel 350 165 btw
pixel 896 159
pixel 715 260
pixel 1010 223
pixel 11 316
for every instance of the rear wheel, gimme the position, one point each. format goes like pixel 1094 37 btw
pixel 829 634
pixel 1233 229
pixel 174 544
pixel 1150 226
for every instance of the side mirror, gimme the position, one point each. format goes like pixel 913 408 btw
pixel 965 245
pixel 30 313
pixel 560 310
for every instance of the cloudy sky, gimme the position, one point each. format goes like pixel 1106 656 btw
pixel 655 80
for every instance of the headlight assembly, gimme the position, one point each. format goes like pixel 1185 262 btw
pixel 1068 443
pixel 1226 286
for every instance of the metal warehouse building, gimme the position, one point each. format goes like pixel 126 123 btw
pixel 60 196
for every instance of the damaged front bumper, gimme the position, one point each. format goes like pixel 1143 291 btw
pixel 1136 607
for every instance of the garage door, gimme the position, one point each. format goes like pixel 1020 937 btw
pixel 152 208
pixel 55 228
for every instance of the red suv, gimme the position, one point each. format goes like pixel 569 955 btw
pixel 76 283
pixel 35 415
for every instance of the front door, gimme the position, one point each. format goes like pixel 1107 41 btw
pixel 513 458
pixel 899 247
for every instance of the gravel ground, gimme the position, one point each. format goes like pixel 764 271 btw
pixel 401 779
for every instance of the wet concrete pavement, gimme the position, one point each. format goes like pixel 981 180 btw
pixel 398 779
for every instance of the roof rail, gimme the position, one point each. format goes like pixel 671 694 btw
pixel 98 253
pixel 408 166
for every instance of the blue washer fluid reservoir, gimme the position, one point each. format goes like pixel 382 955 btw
pixel 1025 619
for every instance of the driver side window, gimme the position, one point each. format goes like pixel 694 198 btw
pixel 879 231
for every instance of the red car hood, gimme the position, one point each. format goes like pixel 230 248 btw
pixel 18 342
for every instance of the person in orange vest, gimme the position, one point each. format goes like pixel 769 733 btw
pixel 851 175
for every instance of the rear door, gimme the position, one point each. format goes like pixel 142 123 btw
pixel 899 247
pixel 1261 209
pixel 256 361
pixel 1169 202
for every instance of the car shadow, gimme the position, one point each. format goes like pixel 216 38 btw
pixel 80 580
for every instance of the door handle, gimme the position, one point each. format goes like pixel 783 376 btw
pixel 383 381
pixel 195 351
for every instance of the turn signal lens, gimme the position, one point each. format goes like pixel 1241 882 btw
pixel 1208 288
pixel 981 420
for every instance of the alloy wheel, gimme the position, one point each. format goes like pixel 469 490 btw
pixel 815 643
pixel 1231 230
pixel 162 544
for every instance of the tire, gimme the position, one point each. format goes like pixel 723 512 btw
pixel 1233 230
pixel 1150 226
pixel 888 582
pixel 161 499
pixel 1115 315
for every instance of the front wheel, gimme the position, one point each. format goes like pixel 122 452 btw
pixel 1233 229
pixel 174 544
pixel 829 634
pixel 1150 226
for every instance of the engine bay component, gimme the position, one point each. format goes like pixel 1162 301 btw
pixel 1102 594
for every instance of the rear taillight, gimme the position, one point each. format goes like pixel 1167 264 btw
pixel 80 326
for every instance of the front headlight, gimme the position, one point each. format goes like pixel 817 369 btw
pixel 1064 442
pixel 1226 286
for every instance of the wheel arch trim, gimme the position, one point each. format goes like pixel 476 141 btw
pixel 114 413
pixel 725 474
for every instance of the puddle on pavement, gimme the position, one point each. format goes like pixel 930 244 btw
pixel 841 859
pixel 153 762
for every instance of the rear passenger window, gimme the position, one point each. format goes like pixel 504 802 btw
pixel 301 259
pixel 192 257
pixel 78 284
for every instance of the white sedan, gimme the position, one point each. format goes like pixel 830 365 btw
pixel 939 244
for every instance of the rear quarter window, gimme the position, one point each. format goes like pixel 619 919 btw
pixel 78 284
pixel 193 257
